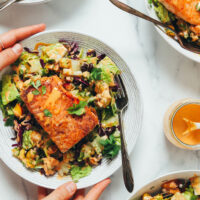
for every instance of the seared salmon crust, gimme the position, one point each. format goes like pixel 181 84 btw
pixel 50 110
pixel 185 9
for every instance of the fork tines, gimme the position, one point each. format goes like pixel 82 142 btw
pixel 122 90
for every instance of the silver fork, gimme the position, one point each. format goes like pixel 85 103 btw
pixel 122 104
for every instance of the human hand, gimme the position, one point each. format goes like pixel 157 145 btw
pixel 10 50
pixel 68 190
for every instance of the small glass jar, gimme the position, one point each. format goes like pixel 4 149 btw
pixel 168 123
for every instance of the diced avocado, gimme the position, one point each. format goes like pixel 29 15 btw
pixel 53 52
pixel 108 65
pixel 9 91
pixel 27 143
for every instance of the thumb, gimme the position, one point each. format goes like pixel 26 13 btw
pixel 64 192
pixel 10 55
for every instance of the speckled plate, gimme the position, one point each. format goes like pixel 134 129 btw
pixel 132 117
pixel 154 185
pixel 169 40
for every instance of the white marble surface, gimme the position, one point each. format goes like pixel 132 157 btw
pixel 162 74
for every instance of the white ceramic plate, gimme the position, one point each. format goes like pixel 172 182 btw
pixel 132 118
pixel 154 185
pixel 169 40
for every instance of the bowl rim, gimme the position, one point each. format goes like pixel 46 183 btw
pixel 140 108
pixel 165 175
pixel 24 2
pixel 192 56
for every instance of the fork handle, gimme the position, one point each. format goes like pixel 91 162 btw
pixel 6 4
pixel 137 13
pixel 127 172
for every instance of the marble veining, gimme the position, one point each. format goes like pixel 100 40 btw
pixel 163 76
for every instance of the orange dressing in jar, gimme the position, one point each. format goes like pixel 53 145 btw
pixel 179 124
pixel 192 113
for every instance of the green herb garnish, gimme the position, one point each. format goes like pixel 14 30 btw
pixel 44 89
pixel 77 109
pixel 36 85
pixel 36 92
pixel 47 113
pixel 198 6
pixel 21 71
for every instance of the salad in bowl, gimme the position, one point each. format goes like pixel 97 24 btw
pixel 60 100
pixel 60 121
pixel 182 16
pixel 182 185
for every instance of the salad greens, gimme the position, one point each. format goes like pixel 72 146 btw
pixel 77 109
pixel 111 147
pixel 80 172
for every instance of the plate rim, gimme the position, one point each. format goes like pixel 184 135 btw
pixel 170 41
pixel 140 108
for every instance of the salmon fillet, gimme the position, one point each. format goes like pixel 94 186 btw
pixel 63 128
pixel 184 9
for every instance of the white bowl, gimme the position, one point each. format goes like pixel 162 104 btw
pixel 132 117
pixel 169 40
pixel 155 184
